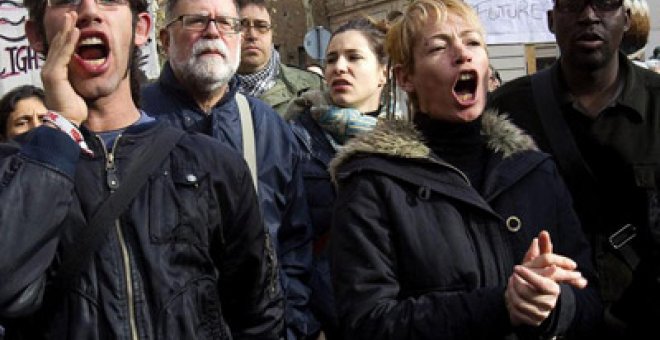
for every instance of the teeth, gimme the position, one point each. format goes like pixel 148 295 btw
pixel 95 62
pixel 466 96
pixel 466 76
pixel 91 41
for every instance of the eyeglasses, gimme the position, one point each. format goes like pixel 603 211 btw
pixel 578 5
pixel 199 23
pixel 261 26
pixel 108 4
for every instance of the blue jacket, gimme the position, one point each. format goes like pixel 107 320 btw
pixel 321 194
pixel 280 178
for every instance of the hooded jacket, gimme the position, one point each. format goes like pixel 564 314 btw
pixel 186 260
pixel 418 253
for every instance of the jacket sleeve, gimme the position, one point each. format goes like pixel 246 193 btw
pixel 579 311
pixel 295 246
pixel 250 292
pixel 368 292
pixel 36 191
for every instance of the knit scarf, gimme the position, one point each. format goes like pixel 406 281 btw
pixel 261 81
pixel 343 123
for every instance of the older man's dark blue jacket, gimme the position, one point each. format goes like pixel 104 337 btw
pixel 280 178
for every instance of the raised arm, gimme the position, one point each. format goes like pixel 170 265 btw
pixel 36 191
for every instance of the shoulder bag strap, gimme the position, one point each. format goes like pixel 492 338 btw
pixel 573 166
pixel 556 129
pixel 247 129
pixel 96 230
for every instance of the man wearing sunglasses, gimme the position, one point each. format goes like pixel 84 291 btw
pixel 598 114
pixel 261 72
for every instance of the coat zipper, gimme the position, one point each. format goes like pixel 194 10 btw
pixel 113 183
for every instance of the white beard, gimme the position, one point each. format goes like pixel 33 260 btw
pixel 205 73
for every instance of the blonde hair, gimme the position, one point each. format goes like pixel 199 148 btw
pixel 637 35
pixel 403 34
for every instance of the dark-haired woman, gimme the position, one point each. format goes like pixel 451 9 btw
pixel 355 73
pixel 21 110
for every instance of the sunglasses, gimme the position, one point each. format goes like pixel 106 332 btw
pixel 578 5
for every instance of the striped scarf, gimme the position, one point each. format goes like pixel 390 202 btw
pixel 261 81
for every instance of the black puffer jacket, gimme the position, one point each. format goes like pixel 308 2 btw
pixel 187 260
pixel 418 253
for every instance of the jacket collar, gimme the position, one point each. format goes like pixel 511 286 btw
pixel 634 95
pixel 400 139
pixel 168 80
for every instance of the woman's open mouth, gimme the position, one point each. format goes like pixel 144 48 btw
pixel 466 86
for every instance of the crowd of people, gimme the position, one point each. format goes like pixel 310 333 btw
pixel 400 191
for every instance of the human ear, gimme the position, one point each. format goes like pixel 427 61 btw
pixel 142 28
pixel 628 23
pixel 404 78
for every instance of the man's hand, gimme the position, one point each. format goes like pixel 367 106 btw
pixel 60 95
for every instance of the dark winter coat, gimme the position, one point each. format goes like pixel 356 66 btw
pixel 614 181
pixel 281 191
pixel 418 253
pixel 318 151
pixel 187 260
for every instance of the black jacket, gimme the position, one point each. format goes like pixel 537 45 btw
pixel 616 181
pixel 418 253
pixel 187 260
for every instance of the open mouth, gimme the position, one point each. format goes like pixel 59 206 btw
pixel 466 86
pixel 92 50
pixel 340 82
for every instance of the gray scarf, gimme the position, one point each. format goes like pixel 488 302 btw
pixel 259 82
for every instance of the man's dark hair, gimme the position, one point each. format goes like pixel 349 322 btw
pixel 259 3
pixel 37 8
pixel 10 100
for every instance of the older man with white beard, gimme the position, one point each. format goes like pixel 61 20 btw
pixel 197 91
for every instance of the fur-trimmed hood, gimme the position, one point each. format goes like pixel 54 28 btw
pixel 400 138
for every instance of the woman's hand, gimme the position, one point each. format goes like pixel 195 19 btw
pixel 533 288
pixel 60 95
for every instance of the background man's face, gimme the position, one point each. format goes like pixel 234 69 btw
pixel 257 44
pixel 589 38
pixel 208 59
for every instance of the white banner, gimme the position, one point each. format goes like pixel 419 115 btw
pixel 20 65
pixel 514 21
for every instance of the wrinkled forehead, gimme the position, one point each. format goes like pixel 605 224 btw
pixel 449 24
pixel 210 7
